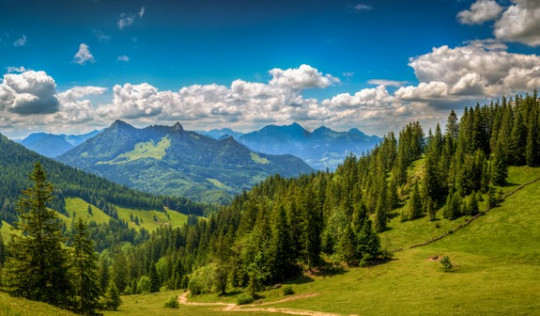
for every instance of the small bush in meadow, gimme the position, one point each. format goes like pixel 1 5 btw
pixel 287 290
pixel 244 299
pixel 172 303
pixel 446 264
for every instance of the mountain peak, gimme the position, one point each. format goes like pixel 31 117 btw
pixel 178 127
pixel 120 124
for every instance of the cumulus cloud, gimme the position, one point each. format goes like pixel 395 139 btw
pixel 83 55
pixel 123 58
pixel 21 41
pixel 448 77
pixel 471 71
pixel 519 23
pixel 480 12
pixel 301 78
pixel 31 92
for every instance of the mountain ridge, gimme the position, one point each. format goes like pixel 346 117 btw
pixel 170 160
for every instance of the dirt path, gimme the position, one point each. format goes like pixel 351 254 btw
pixel 231 307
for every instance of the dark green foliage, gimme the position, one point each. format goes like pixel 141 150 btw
pixel 111 300
pixel 414 209
pixel 172 303
pixel 446 264
pixel 452 209
pixel 155 284
pixel 36 267
pixel 16 161
pixel 244 299
pixel 472 206
pixel 287 290
pixel 84 271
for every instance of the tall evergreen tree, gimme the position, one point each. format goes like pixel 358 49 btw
pixel 282 261
pixel 84 271
pixel 36 267
pixel 155 284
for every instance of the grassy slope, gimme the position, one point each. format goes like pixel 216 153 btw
pixel 497 268
pixel 80 207
pixel 10 306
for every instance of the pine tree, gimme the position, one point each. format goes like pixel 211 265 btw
pixel 103 273
pixel 84 271
pixel 36 267
pixel 112 300
pixel 415 204
pixel 472 207
pixel 155 284
pixel 452 126
pixel 119 272
pixel 281 247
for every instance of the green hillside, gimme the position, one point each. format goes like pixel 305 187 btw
pixel 497 271
pixel 171 161
pixel 13 306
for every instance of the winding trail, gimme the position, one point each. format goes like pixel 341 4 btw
pixel 231 307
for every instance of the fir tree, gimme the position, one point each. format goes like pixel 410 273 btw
pixel 282 263
pixel 155 284
pixel 112 300
pixel 36 266
pixel 415 204
pixel 84 271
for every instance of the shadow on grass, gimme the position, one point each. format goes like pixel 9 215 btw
pixel 230 293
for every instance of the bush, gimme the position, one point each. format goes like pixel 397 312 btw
pixel 446 264
pixel 287 290
pixel 244 299
pixel 144 285
pixel 172 303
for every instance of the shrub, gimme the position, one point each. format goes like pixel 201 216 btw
pixel 446 264
pixel 172 303
pixel 244 299
pixel 287 290
pixel 144 284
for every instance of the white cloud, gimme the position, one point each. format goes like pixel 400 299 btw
pixel 125 20
pixel 363 7
pixel 123 58
pixel 31 92
pixel 519 23
pixel 15 69
pixel 301 78
pixel 472 71
pixel 448 77
pixel 141 12
pixel 387 83
pixel 83 55
pixel 21 41
pixel 480 12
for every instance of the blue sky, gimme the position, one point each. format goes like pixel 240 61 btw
pixel 168 45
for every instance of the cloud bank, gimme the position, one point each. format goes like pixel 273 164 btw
pixel 447 78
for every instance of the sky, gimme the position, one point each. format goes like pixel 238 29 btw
pixel 76 65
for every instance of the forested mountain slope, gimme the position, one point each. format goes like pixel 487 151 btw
pixel 169 160
pixel 16 162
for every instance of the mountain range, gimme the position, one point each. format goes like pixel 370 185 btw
pixel 52 145
pixel 323 148
pixel 172 161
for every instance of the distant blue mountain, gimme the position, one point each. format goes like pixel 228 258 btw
pixel 52 145
pixel 221 133
pixel 323 148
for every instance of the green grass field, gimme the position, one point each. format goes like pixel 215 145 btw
pixel 496 272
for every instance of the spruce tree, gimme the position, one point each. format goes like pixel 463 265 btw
pixel 84 271
pixel 282 261
pixel 112 300
pixel 155 284
pixel 415 204
pixel 36 267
